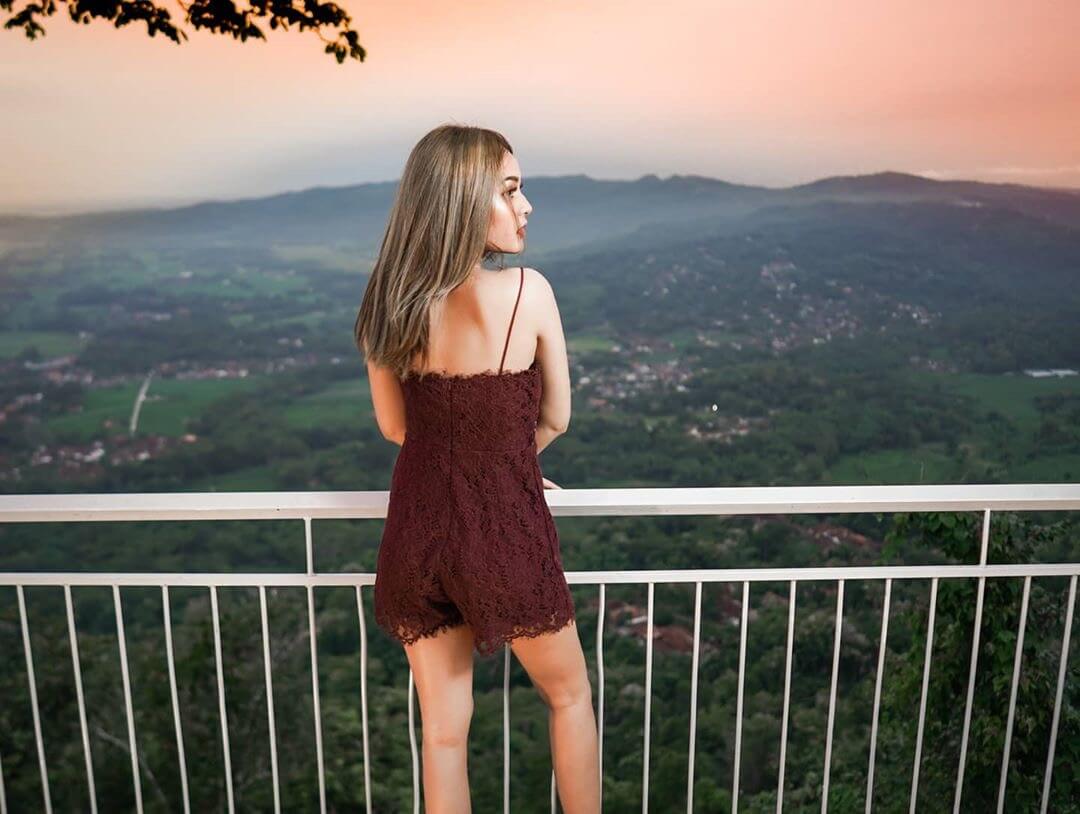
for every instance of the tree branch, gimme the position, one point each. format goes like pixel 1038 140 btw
pixel 218 16
pixel 123 744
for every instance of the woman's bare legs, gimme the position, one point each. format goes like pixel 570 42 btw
pixel 442 667
pixel 556 665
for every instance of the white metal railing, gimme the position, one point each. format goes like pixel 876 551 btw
pixel 307 506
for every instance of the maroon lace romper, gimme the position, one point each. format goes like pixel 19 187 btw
pixel 469 537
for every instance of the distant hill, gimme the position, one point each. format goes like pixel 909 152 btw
pixel 570 210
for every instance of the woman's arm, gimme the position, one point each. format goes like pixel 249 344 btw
pixel 544 436
pixel 388 402
pixel 555 369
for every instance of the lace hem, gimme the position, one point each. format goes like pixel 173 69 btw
pixel 408 637
pixel 493 644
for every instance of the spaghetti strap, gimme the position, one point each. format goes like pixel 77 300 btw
pixel 506 345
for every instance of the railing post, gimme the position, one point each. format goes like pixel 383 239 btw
pixel 310 547
pixel 693 698
pixel 506 728
pixel 29 655
pixel 877 693
pixel 270 723
pixel 1012 694
pixel 739 696
pixel 927 654
pixel 977 627
pixel 166 614
pixel 832 692
pixel 600 614
pixel 3 791
pixel 648 699
pixel 363 698
pixel 219 664
pixel 412 747
pixel 80 699
pixel 1057 697
pixel 787 699
pixel 117 605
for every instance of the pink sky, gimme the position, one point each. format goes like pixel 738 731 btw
pixel 769 92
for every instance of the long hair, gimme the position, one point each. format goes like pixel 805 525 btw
pixel 436 234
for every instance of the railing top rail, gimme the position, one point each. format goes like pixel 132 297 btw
pixel 639 577
pixel 721 500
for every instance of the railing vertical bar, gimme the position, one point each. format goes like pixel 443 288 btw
pixel 984 545
pixel 976 628
pixel 787 698
pixel 877 692
pixel 693 697
pixel 226 751
pixel 553 801
pixel 1012 694
pixel 268 677
pixel 76 667
pixel 506 728
pixel 166 615
pixel 832 692
pixel 648 699
pixel 126 676
pixel 1057 698
pixel 739 696
pixel 3 791
pixel 28 653
pixel 363 698
pixel 412 747
pixel 309 546
pixel 600 616
pixel 315 696
pixel 927 654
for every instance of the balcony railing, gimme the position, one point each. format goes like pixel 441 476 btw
pixel 309 506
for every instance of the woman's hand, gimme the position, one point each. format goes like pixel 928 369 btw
pixel 549 484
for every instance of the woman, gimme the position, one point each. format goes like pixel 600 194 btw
pixel 470 555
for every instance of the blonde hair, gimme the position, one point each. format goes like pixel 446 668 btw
pixel 436 234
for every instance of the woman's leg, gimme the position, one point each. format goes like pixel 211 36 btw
pixel 556 665
pixel 442 667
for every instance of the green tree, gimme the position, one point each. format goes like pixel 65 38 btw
pixel 1013 538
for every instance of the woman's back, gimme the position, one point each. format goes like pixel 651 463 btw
pixel 493 409
pixel 481 321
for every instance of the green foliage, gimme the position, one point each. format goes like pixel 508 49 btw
pixel 1013 538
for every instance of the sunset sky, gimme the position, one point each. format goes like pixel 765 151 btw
pixel 768 92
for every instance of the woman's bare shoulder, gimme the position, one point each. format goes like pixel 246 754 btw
pixel 541 303
pixel 539 285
